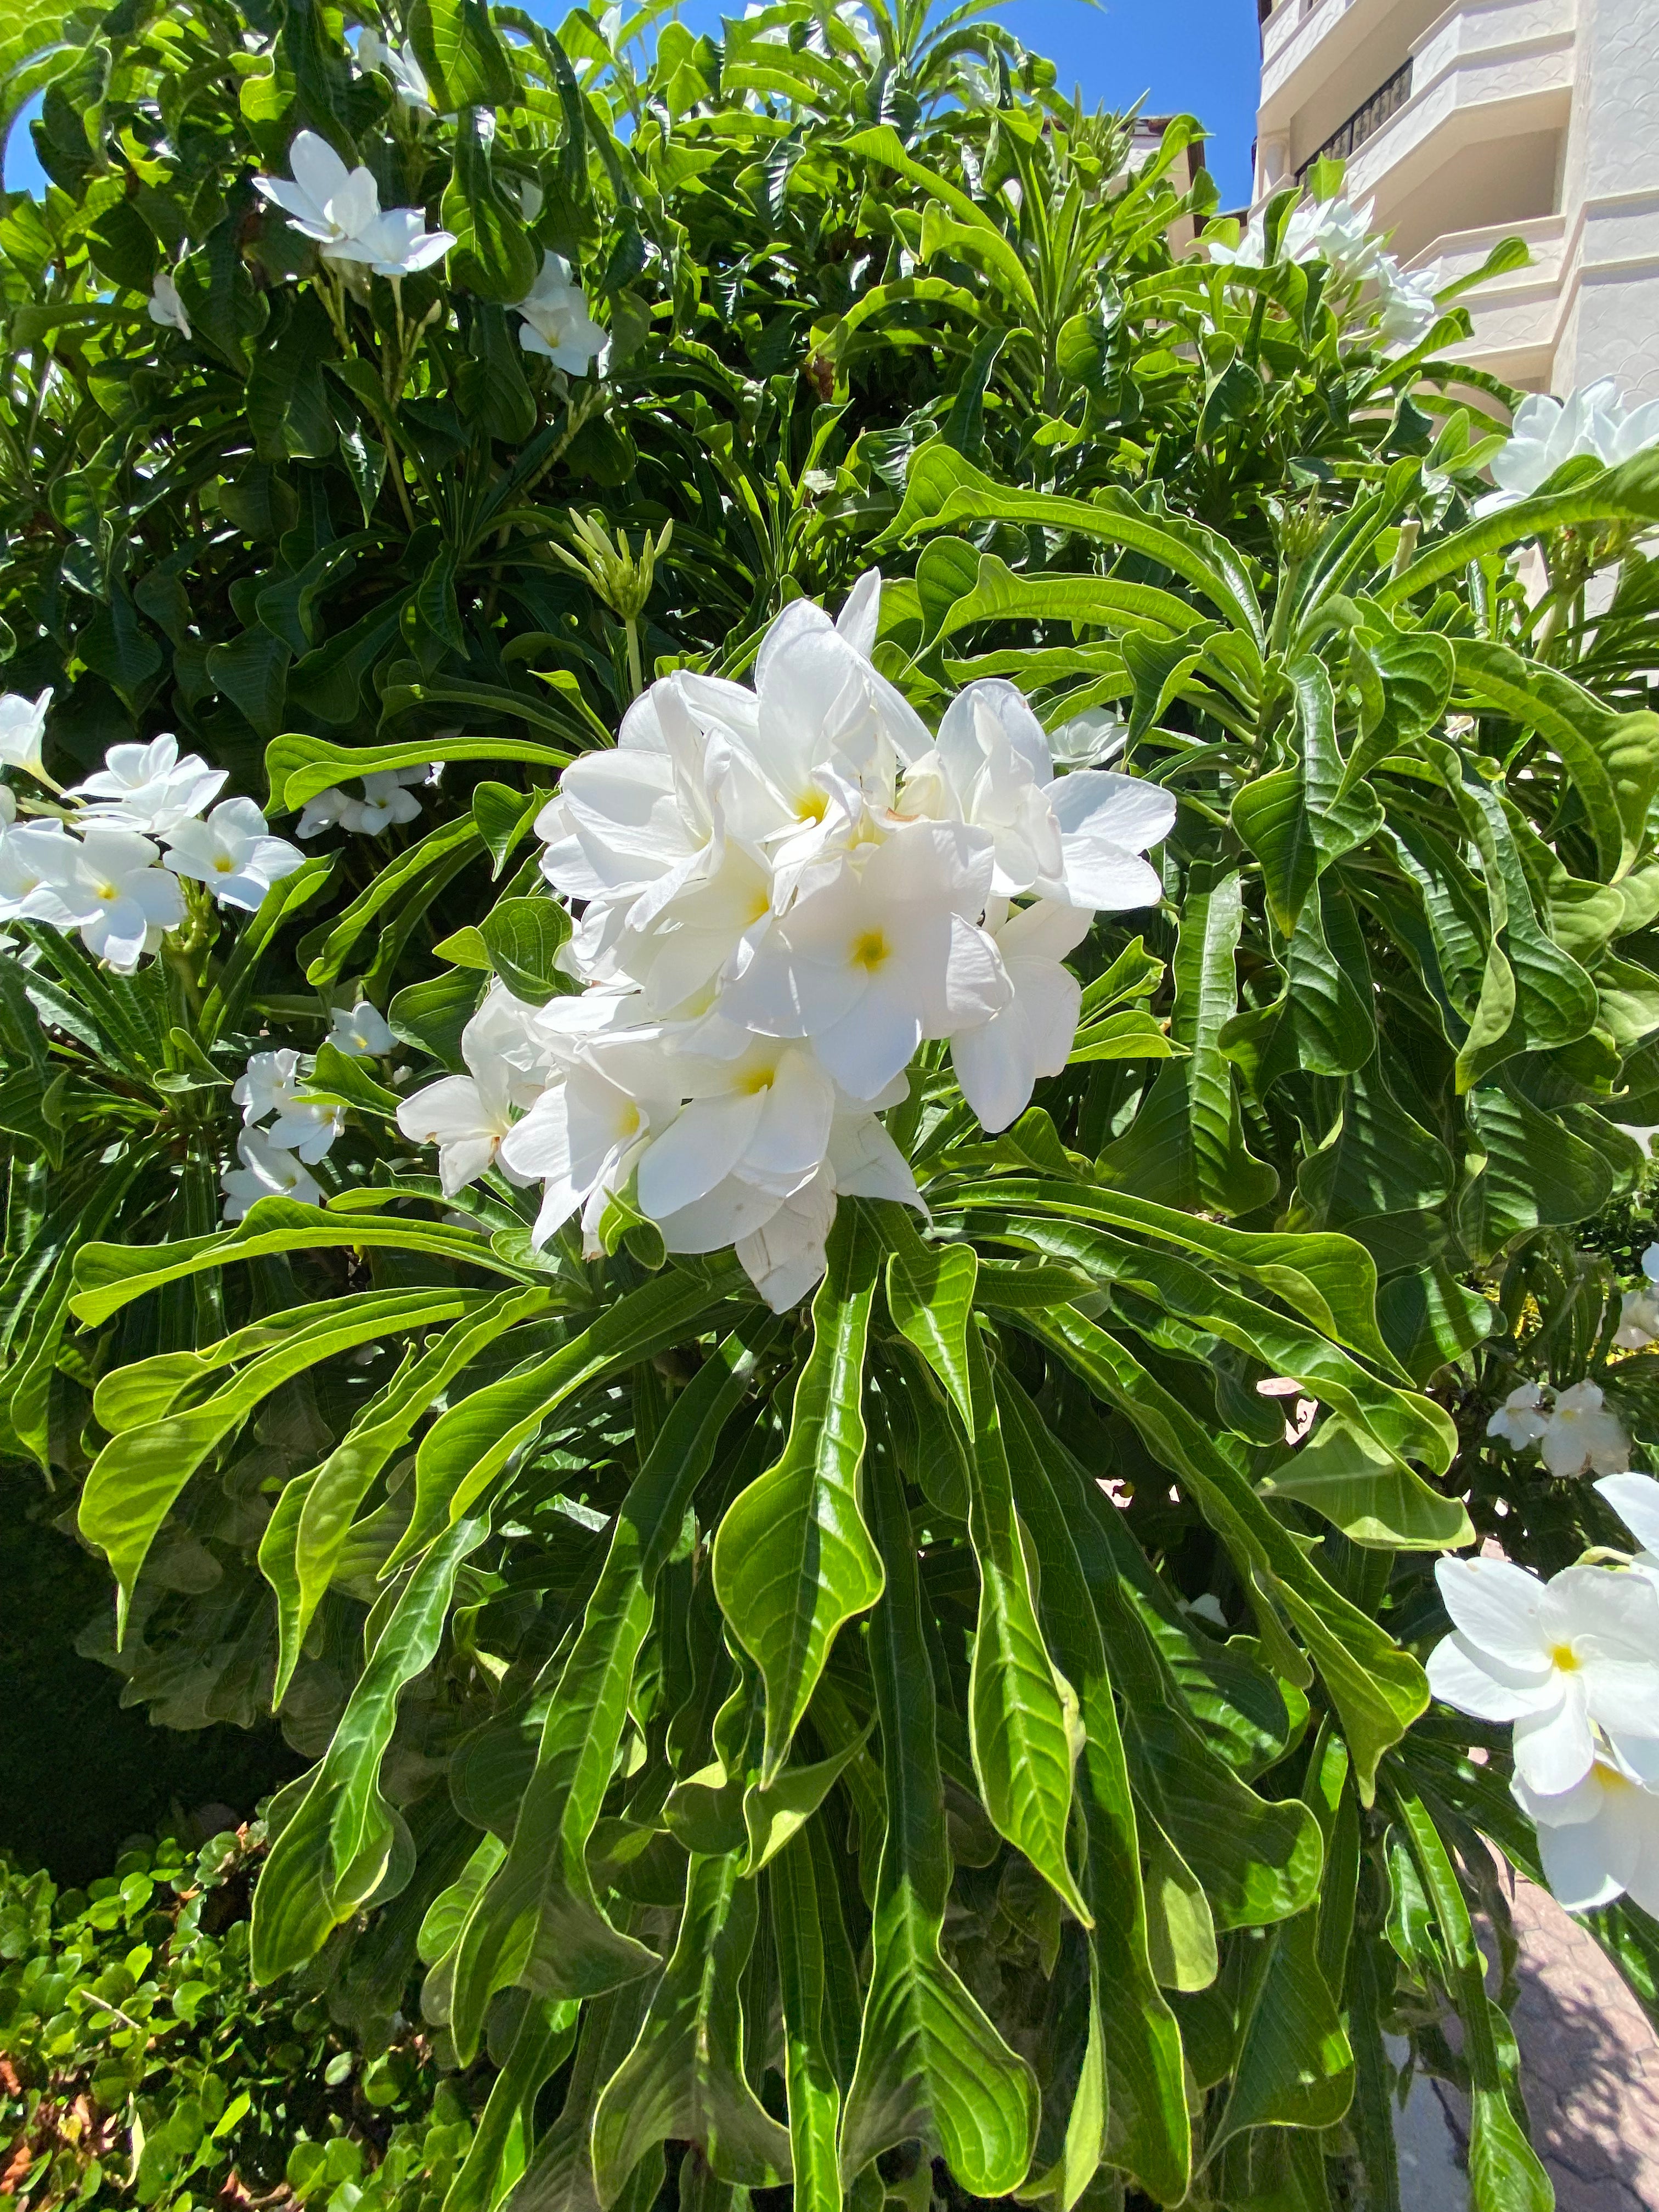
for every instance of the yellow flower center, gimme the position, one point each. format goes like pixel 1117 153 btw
pixel 107 891
pixel 812 806
pixel 871 951
pixel 1563 1658
pixel 224 864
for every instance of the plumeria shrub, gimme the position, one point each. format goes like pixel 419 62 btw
pixel 828 950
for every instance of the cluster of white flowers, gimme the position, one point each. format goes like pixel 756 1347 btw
pixel 785 891
pixel 387 798
pixel 108 862
pixel 1548 432
pixel 284 1133
pixel 1577 1433
pixel 1574 1664
pixel 341 209
pixel 1340 235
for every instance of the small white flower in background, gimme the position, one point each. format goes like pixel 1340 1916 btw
pixel 107 886
pixel 31 852
pixel 1639 1320
pixel 1521 1419
pixel 267 1171
pixel 272 1089
pixel 165 307
pixel 233 853
pixel 1582 1433
pixel 148 788
pixel 270 1083
pixel 387 799
pixel 556 322
pixel 1598 1840
pixel 361 1032
pixel 340 208
pixel 400 65
pixel 22 730
pixel 1407 305
pixel 1089 739
pixel 1557 1658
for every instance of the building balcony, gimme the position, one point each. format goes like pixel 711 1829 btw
pixel 1464 129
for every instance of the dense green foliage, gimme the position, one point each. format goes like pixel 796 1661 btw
pixel 775 1725
pixel 138 2064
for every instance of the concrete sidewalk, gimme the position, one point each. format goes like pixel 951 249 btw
pixel 1589 2067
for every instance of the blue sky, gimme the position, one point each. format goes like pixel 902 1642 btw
pixel 1199 55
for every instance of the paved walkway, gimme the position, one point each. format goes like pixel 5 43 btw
pixel 1590 2067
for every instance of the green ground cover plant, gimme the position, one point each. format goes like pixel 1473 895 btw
pixel 631 606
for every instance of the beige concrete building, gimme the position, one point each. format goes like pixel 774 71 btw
pixel 1468 122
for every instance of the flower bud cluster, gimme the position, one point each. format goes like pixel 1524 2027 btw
pixel 783 892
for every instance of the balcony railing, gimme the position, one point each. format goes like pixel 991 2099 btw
pixel 1366 120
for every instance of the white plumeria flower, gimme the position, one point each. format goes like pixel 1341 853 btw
pixel 360 1032
pixel 1076 838
pixel 233 853
pixel 400 65
pixel 1545 433
pixel 1650 1263
pixel 882 953
pixel 1407 305
pixel 999 1064
pixel 1582 1433
pixel 165 307
pixel 399 244
pixel 1598 1840
pixel 307 1129
pixel 1554 1658
pixel 555 321
pixel 387 799
pixel 267 1171
pixel 270 1083
pixel 1322 230
pixel 1089 739
pixel 756 1128
pixel 33 854
pixel 1635 1499
pixel 785 1255
pixel 1521 1419
pixel 1639 1320
pixel 581 1141
pixel 22 731
pixel 340 208
pixel 148 788
pixel 107 886
pixel 509 1064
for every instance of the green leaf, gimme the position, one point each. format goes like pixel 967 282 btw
pixel 464 61
pixel 298 766
pixel 1187 1143
pixel 139 1473
pixel 1295 2067
pixel 1369 1493
pixel 1378 1689
pixel 523 937
pixel 470 1444
pixel 930 2064
pixel 792 1559
pixel 809 2082
pixel 333 1854
pixel 493 254
pixel 1023 1728
pixel 540 1920
pixel 685 2076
